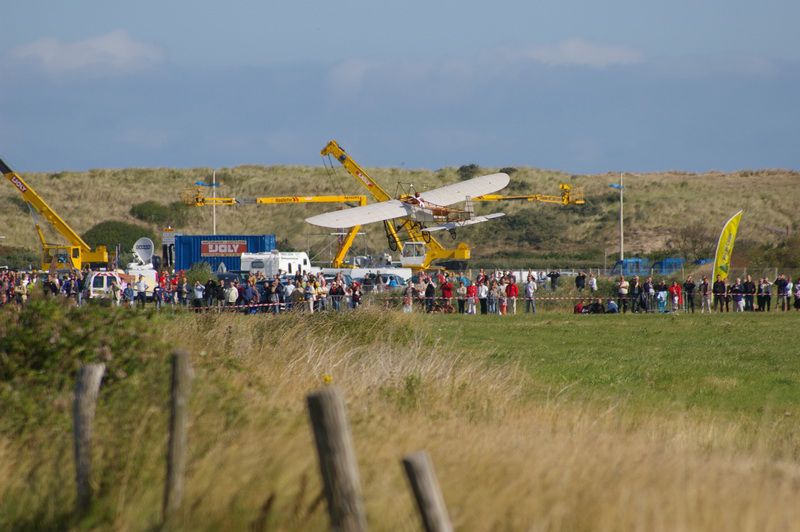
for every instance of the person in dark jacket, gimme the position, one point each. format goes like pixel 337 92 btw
pixel 705 295
pixel 719 289
pixel 580 281
pixel 430 295
pixel 635 292
pixel 689 287
pixel 554 275
pixel 781 285
pixel 597 307
pixel 749 288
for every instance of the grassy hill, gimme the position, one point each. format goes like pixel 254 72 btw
pixel 659 208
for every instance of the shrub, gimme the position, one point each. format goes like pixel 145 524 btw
pixel 18 258
pixel 45 342
pixel 175 214
pixel 468 171
pixel 200 271
pixel 508 170
pixel 114 232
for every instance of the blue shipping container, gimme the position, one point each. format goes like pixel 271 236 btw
pixel 635 266
pixel 217 249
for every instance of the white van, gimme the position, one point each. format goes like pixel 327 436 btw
pixel 99 284
pixel 273 262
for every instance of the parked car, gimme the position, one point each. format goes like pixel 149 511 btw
pixel 231 276
pixel 329 277
pixel 99 284
pixel 390 281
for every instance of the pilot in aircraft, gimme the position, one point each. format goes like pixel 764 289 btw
pixel 416 200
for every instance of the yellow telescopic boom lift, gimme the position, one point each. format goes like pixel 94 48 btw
pixel 77 252
pixel 196 198
pixel 568 196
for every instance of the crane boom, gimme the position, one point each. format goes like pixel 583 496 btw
pixel 77 251
pixel 568 197
pixel 196 198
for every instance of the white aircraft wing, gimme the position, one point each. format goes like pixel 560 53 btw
pixel 456 225
pixel 477 186
pixel 365 214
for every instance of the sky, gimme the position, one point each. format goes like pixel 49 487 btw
pixel 578 86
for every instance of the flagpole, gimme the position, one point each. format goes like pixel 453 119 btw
pixel 621 231
pixel 214 203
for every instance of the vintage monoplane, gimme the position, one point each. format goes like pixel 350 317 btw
pixel 431 207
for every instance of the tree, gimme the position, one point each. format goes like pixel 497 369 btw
pixel 468 171
pixel 175 214
pixel 113 232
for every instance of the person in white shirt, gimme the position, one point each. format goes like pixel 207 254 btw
pixel 530 290
pixel 231 295
pixel 483 293
pixel 141 291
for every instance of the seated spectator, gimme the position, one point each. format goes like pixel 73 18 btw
pixel 597 307
pixel 578 309
pixel 612 307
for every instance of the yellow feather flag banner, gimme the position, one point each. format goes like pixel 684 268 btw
pixel 722 259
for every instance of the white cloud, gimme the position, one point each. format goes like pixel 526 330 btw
pixel 582 53
pixel 113 53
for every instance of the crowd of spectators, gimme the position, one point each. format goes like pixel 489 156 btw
pixel 730 295
pixel 494 292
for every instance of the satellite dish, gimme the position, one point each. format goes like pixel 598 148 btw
pixel 143 249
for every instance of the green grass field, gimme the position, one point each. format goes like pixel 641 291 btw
pixel 728 363
pixel 550 422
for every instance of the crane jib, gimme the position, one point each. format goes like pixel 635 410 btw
pixel 19 184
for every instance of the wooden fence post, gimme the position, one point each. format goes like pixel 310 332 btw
pixel 337 459
pixel 421 476
pixel 179 415
pixel 84 406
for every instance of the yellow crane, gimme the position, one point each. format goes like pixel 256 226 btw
pixel 196 198
pixel 422 249
pixel 73 255
pixel 569 196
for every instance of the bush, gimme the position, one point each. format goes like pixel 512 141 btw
pixel 19 258
pixel 43 344
pixel 508 170
pixel 114 232
pixel 175 214
pixel 200 271
pixel 468 171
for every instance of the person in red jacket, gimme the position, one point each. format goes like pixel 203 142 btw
pixel 676 296
pixel 447 293
pixel 472 298
pixel 512 292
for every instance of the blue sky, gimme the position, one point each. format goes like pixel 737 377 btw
pixel 573 85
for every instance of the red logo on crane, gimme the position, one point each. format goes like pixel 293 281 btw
pixel 19 184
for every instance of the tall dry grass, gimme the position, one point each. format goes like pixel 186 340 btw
pixel 505 461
